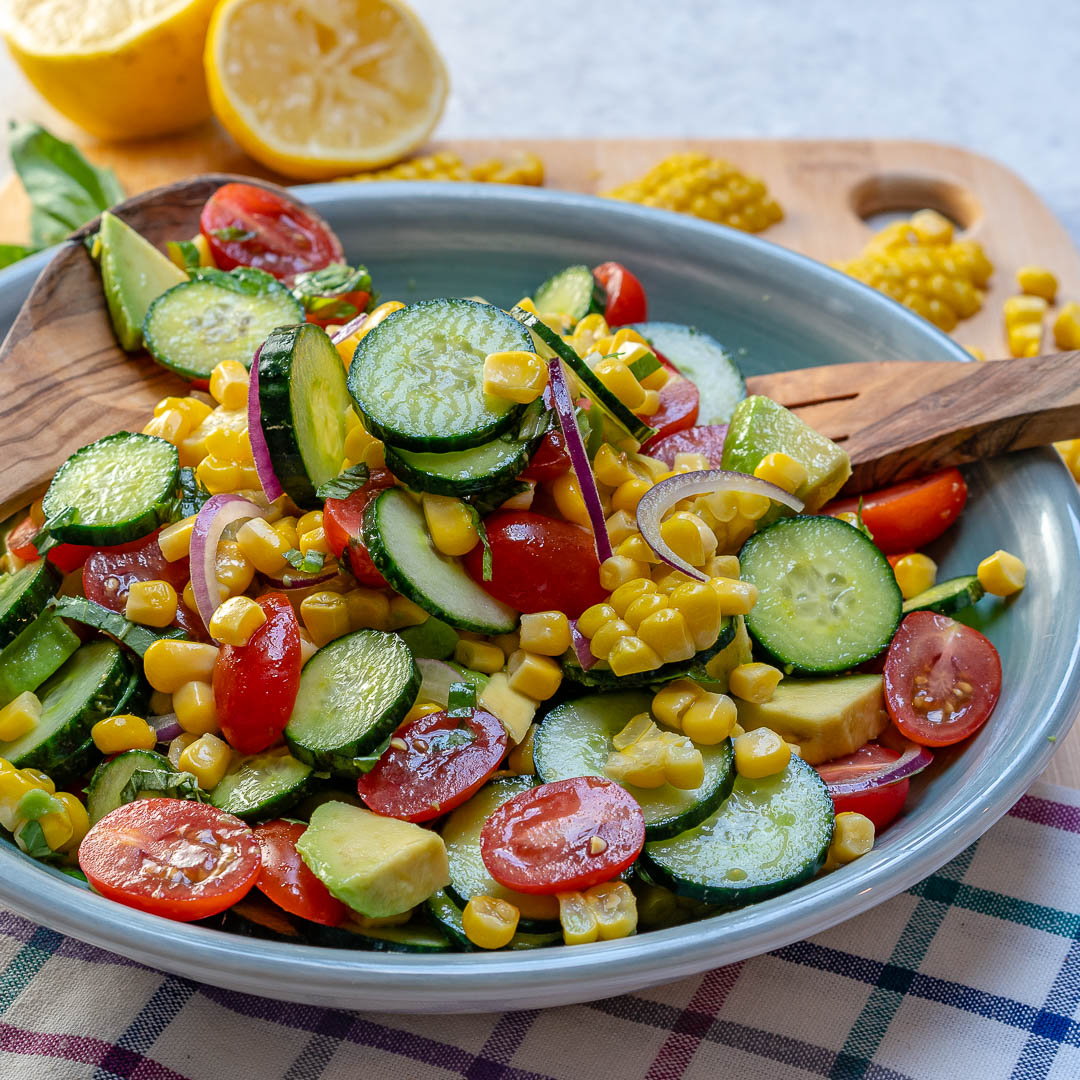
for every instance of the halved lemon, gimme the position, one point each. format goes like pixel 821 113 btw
pixel 317 88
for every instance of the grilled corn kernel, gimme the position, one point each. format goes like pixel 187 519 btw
pixel 229 384
pixel 619 569
pixel 207 759
pixel 614 907
pixel 115 734
pixel 1025 340
pixel 701 607
pixel 168 664
pixel 578 919
pixel 368 609
pixel 852 837
pixel 1002 574
pixel 195 710
pixel 515 376
pixel 533 675
pixel 19 716
pixel 755 682
pixel 170 426
pixel 567 495
pixel 1067 327
pixel 325 616
pixel 152 603
pixel 174 540
pixel 684 766
pixel 670 703
pixel 689 537
pixel 489 923
pixel 760 753
pixel 630 655
pixel 666 632
pixel 233 571
pixel 636 728
pixel 1037 281
pixel 545 632
pixel 77 817
pixel 451 524
pixel 236 620
pixel 520 759
pixel 628 494
pixel 710 719
pixel 314 540
pixel 262 545
pixel 783 471
pixel 592 618
pixel 611 467
pixel 723 566
pixel 480 656
pixel 736 597
pixel 915 574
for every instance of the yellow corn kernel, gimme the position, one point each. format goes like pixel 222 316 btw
pixel 263 546
pixel 178 746
pixel 188 596
pixel 852 837
pixel 670 703
pixel 645 605
pixel 229 384
pixel 650 403
pixel 489 923
pixel 723 566
pixel 614 907
pixel 420 710
pixel 515 375
pixel 755 682
pixel 37 778
pixel 170 425
pixel 19 716
pixel 655 382
pixel 976 351
pixel 77 818
pixel 752 506
pixel 152 603
pixel 620 381
pixel 721 505
pixel 13 786
pixel 533 675
pixel 314 540
pixel 195 709
pixel 915 574
pixel 227 444
pixel 234 572
pixel 358 442
pixel 689 537
pixel 589 332
pixel 313 519
pixel 207 759
pixel 55 826
pixel 286 526
pixel 931 227
pixel 520 759
pixel 710 719
pixel 611 467
pixel 620 526
pixel 510 643
pixel 736 597
pixel 783 471
pixel 686 462
pixel 606 637
pixel 218 476
pixel 625 594
pixel 175 540
pixel 403 612
pixel 1002 574
pixel 567 495
pixel 628 494
pixel 619 569
pixel 701 607
pixel 1070 453
pixel 684 767
pixel 635 547
pixel 115 734
pixel 545 632
pixel 592 618
pixel 236 620
pixel 451 524
pixel 667 632
pixel 1067 327
pixel 193 409
pixel 630 655
pixel 642 764
pixel 168 664
pixel 377 316
pixel 1023 310
pixel 480 656
pixel 578 919
pixel 1037 281
pixel 1025 340
pixel 760 753
pixel 636 728
pixel 368 609
pixel 325 616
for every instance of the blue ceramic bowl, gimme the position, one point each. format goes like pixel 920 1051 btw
pixel 775 310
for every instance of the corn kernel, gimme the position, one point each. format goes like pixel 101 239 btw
pixel 915 574
pixel 404 612
pixel 178 746
pixel 520 759
pixel 710 719
pixel 545 632
pixel 687 462
pixel 611 467
pixel 207 759
pixel 636 728
pixel 1067 327
pixel 286 527
pixel 314 540
pixel 325 616
pixel 619 569
pixel 736 597
pixel 853 837
pixel 667 632
pixel 592 618
pixel 515 376
pixel 760 753
pixel 1037 281
pixel 723 566
pixel 218 476
pixel 689 537
pixel 171 426
pixel 977 352
pixel 419 710
pixel 451 524
pixel 152 603
pixel 622 597
pixel 38 779
pixel 115 734
pixel 635 547
pixel 1023 310
pixel 684 766
pixel 642 764
pixel 19 716
pixel 614 907
pixel 755 682
pixel 931 227
pixel 174 540
pixel 195 709
pixel 229 384
pixel 313 519
pixel 670 703
pixel 188 596
pixel 604 640
pixel 535 676
pixel 1025 340
pixel 236 620
pixel 77 818
pixel 510 643
pixel 234 572
pixel 1002 574
pixel 193 409
pixel 650 403
pixel 701 607
pixel 168 664
pixel 630 655
pixel 227 444
pixel 645 605
pixel 368 609
pixel 620 381
pixel 52 818
pixel 480 656
pixel 567 495
pixel 783 471
pixel 578 919
pixel 628 494
pixel 489 923
pixel 620 526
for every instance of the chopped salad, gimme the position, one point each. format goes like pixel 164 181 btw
pixel 445 625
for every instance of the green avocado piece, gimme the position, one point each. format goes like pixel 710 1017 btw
pixel 134 273
pixel 432 639
pixel 760 427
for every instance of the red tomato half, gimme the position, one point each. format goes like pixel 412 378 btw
pixel 942 679
pixel 625 296
pixel 357 300
pixel 707 439
pixel 538 563
pixel 285 878
pixel 907 516
pixel 172 857
pixel 110 572
pixel 247 225
pixel 342 519
pixel 255 684
pixel 880 804
pixel 444 761
pixel 678 410
pixel 540 840
pixel 65 557
pixel 551 458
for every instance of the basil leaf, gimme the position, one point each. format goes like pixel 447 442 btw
pixel 187 252
pixel 478 524
pixel 368 762
pixel 310 563
pixel 644 366
pixel 344 484
pixel 162 783
pixel 461 701
pixel 330 281
pixel 233 232
pixel 492 499
pixel 534 421
pixel 192 494
pixel 246 280
pixel 32 840
pixel 43 539
pixel 12 253
pixel 591 425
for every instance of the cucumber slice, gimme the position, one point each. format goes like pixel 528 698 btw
pixel 553 345
pixel 573 292
pixel 414 937
pixel 353 693
pixel 447 913
pixel 461 472
pixel 400 546
pixel 85 690
pixel 263 785
pixel 120 488
pixel 302 403
pixel 28 660
pixel 216 316
pixel 192 494
pixel 23 595
pixel 135 636
pixel 947 597
pixel 769 836
pixel 827 597
pixel 574 739
pixel 111 777
pixel 705 362
pixel 418 378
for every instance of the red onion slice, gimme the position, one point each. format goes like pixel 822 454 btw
pixel 350 328
pixel 264 467
pixel 913 760
pixel 579 458
pixel 166 726
pixel 218 512
pixel 582 649
pixel 660 498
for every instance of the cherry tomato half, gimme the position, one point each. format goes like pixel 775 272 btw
pixel 65 557
pixel 562 836
pixel 678 410
pixel 907 516
pixel 172 857
pixel 109 573
pixel 538 563
pixel 444 761
pixel 285 878
pixel 942 679
pixel 625 296
pixel 246 225
pixel 551 458
pixel 342 520
pixel 707 439
pixel 880 804
pixel 255 685
pixel 357 300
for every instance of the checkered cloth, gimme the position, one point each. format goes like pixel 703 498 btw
pixel 973 974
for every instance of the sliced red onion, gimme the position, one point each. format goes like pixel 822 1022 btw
pixel 913 760
pixel 166 726
pixel 217 513
pixel 350 328
pixel 264 467
pixel 660 498
pixel 582 649
pixel 436 677
pixel 579 458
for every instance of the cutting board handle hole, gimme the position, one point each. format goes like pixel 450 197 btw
pixel 883 198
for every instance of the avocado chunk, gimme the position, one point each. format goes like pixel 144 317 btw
pixel 827 718
pixel 134 273
pixel 718 670
pixel 378 866
pixel 760 427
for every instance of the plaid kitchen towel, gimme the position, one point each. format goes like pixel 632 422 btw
pixel 974 974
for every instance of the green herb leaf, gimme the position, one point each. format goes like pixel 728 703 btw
pixel 461 701
pixel 590 423
pixel 859 523
pixel 310 563
pixel 233 232
pixel 31 838
pixel 535 421
pixel 192 495
pixel 344 484
pixel 186 252
pixel 322 291
pixel 162 783
pixel 246 280
pixel 12 253
pixel 478 524
pixel 644 366
pixel 43 540
pixel 493 498
pixel 368 762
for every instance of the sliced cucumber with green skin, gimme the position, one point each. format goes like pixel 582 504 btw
pixel 85 690
pixel 216 316
pixel 135 636
pixel 947 597
pixel 353 693
pixel 263 785
pixel 418 378
pixel 111 777
pixel 192 494
pixel 573 291
pixel 827 597
pixel 600 675
pixel 413 937
pixel 769 836
pixel 704 361
pixel 554 345
pixel 23 595
pixel 447 913
pixel 461 472
pixel 302 403
pixel 34 654
pixel 119 489
pixel 400 546
pixel 574 739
